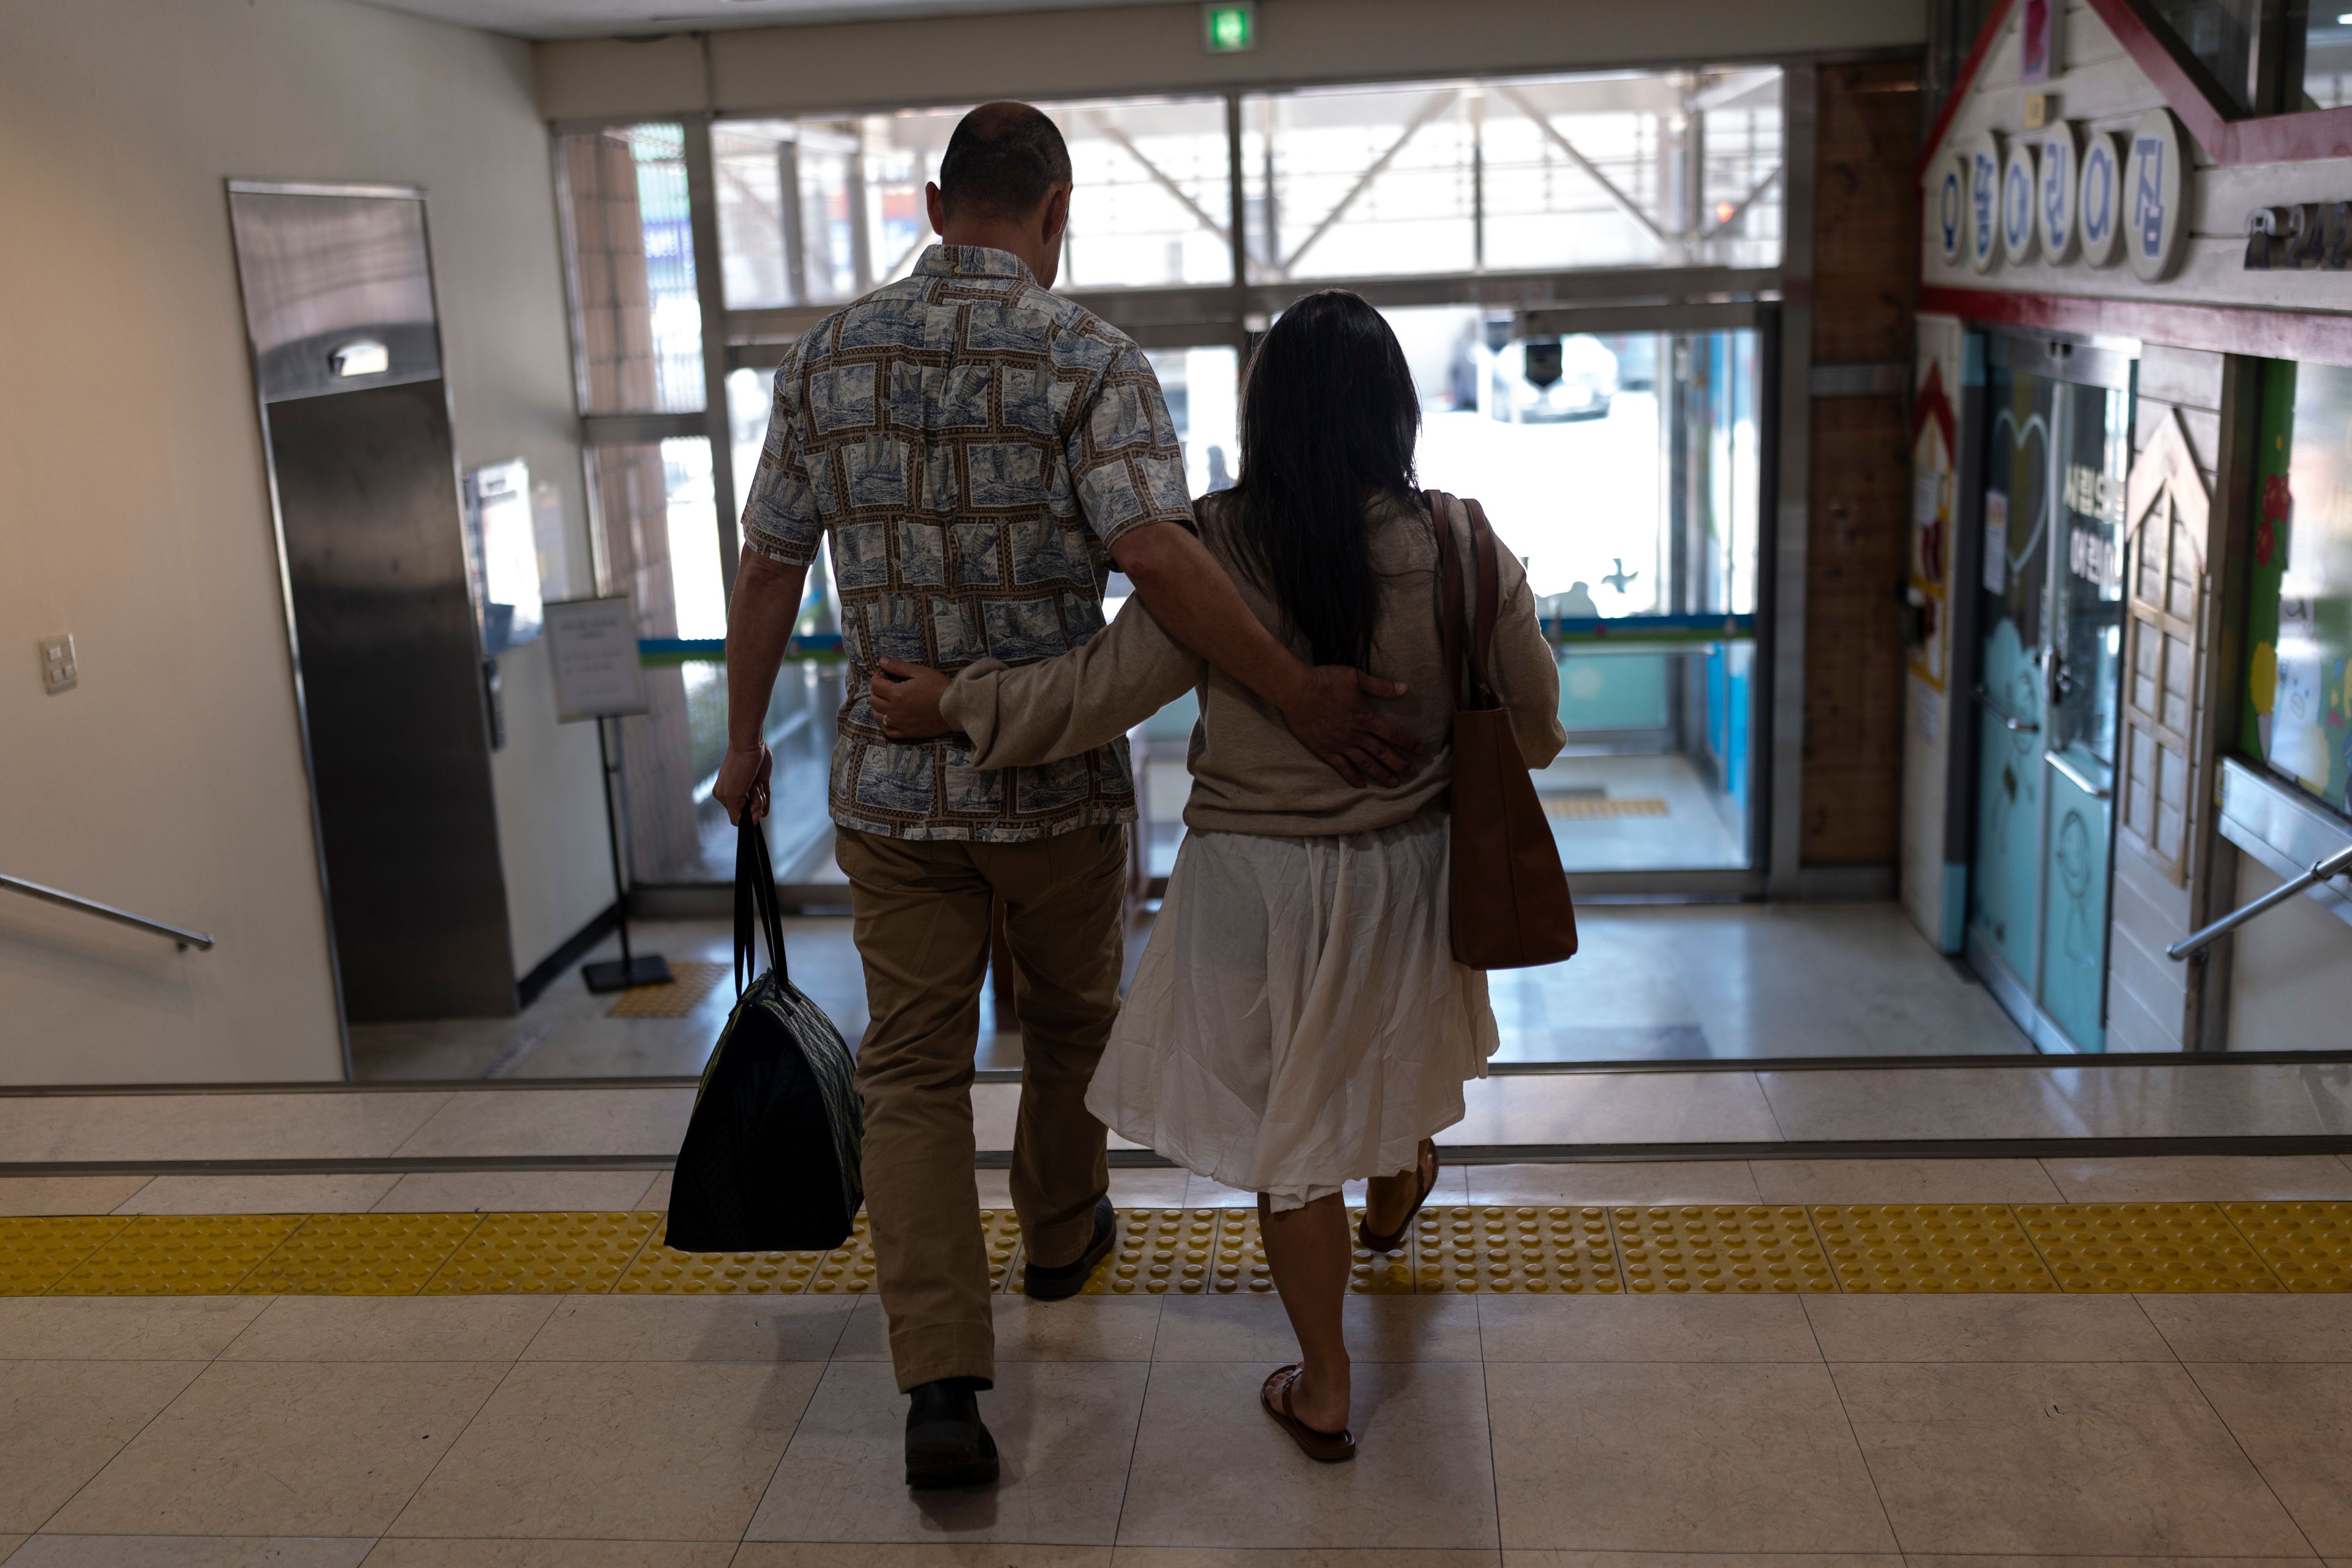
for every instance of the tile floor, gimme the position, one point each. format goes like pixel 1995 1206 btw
pixel 1780 1431
pixel 1652 982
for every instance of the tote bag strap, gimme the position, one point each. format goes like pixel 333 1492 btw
pixel 1449 594
pixel 1465 658
pixel 755 906
pixel 1482 634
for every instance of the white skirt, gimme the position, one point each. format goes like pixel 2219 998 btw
pixel 1297 1020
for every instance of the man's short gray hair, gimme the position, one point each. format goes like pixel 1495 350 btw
pixel 1001 162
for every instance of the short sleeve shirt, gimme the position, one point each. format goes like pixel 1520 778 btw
pixel 969 446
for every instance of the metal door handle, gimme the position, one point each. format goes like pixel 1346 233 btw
pixel 2016 726
pixel 2076 774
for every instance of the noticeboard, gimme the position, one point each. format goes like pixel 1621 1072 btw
pixel 593 645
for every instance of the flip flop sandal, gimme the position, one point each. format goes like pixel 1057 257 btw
pixel 1323 1447
pixel 1395 1238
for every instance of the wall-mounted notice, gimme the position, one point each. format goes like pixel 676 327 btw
pixel 593 645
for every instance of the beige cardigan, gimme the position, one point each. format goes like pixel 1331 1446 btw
pixel 1250 775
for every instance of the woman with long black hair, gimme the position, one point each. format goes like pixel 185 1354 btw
pixel 1297 1021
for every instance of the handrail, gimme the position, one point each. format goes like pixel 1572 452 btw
pixel 2319 871
pixel 2078 777
pixel 186 939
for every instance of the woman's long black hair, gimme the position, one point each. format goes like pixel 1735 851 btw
pixel 1329 416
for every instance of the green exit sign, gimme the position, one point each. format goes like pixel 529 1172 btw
pixel 1229 29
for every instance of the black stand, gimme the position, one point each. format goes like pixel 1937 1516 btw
pixel 620 974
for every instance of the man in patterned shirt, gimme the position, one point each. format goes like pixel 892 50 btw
pixel 978 452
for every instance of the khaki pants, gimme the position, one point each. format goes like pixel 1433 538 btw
pixel 922 912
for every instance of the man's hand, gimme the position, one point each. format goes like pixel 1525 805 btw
pixel 760 618
pixel 743 781
pixel 1193 600
pixel 906 700
pixel 1329 715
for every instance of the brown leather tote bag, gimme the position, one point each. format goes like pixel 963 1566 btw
pixel 1511 906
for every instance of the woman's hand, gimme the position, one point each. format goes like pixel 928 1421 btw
pixel 906 700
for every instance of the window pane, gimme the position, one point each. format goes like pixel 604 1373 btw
pixel 658 541
pixel 1350 182
pixel 1624 469
pixel 638 320
pixel 1201 388
pixel 657 531
pixel 2326 69
pixel 1628 169
pixel 1154 196
pixel 2299 577
pixel 750 394
pixel 2221 33
pixel 815 212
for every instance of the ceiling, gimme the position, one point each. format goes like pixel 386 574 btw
pixel 602 18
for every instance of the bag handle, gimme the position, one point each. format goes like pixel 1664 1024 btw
pixel 755 905
pixel 1482 638
pixel 1467 664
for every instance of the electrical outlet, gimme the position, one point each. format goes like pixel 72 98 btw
pixel 58 670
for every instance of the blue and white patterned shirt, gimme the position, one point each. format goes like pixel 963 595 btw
pixel 970 445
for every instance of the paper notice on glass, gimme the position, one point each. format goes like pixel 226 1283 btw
pixel 1996 543
pixel 592 644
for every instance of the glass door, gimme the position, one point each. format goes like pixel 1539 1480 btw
pixel 1624 467
pixel 2048 672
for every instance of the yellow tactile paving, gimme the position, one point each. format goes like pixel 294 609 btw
pixel 2150 1248
pixel 2307 1245
pixel 849 1268
pixel 361 1255
pixel 663 1270
pixel 1190 1252
pixel 1184 1252
pixel 178 1255
pixel 694 979
pixel 1527 1247
pixel 1878 1248
pixel 1530 1249
pixel 1749 1247
pixel 1374 1273
pixel 35 1254
pixel 512 1254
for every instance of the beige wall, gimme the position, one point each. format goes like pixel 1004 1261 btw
pixel 134 514
pixel 2290 972
pixel 1153 48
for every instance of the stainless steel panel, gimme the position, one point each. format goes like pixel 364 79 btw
pixel 399 737
pixel 323 273
pixel 388 668
pixel 2275 824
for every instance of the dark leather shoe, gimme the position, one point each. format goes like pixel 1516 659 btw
pixel 1058 1281
pixel 947 1446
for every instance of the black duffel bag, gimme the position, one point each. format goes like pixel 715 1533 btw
pixel 770 1158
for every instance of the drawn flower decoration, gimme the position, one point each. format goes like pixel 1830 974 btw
pixel 2277 501
pixel 2276 498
